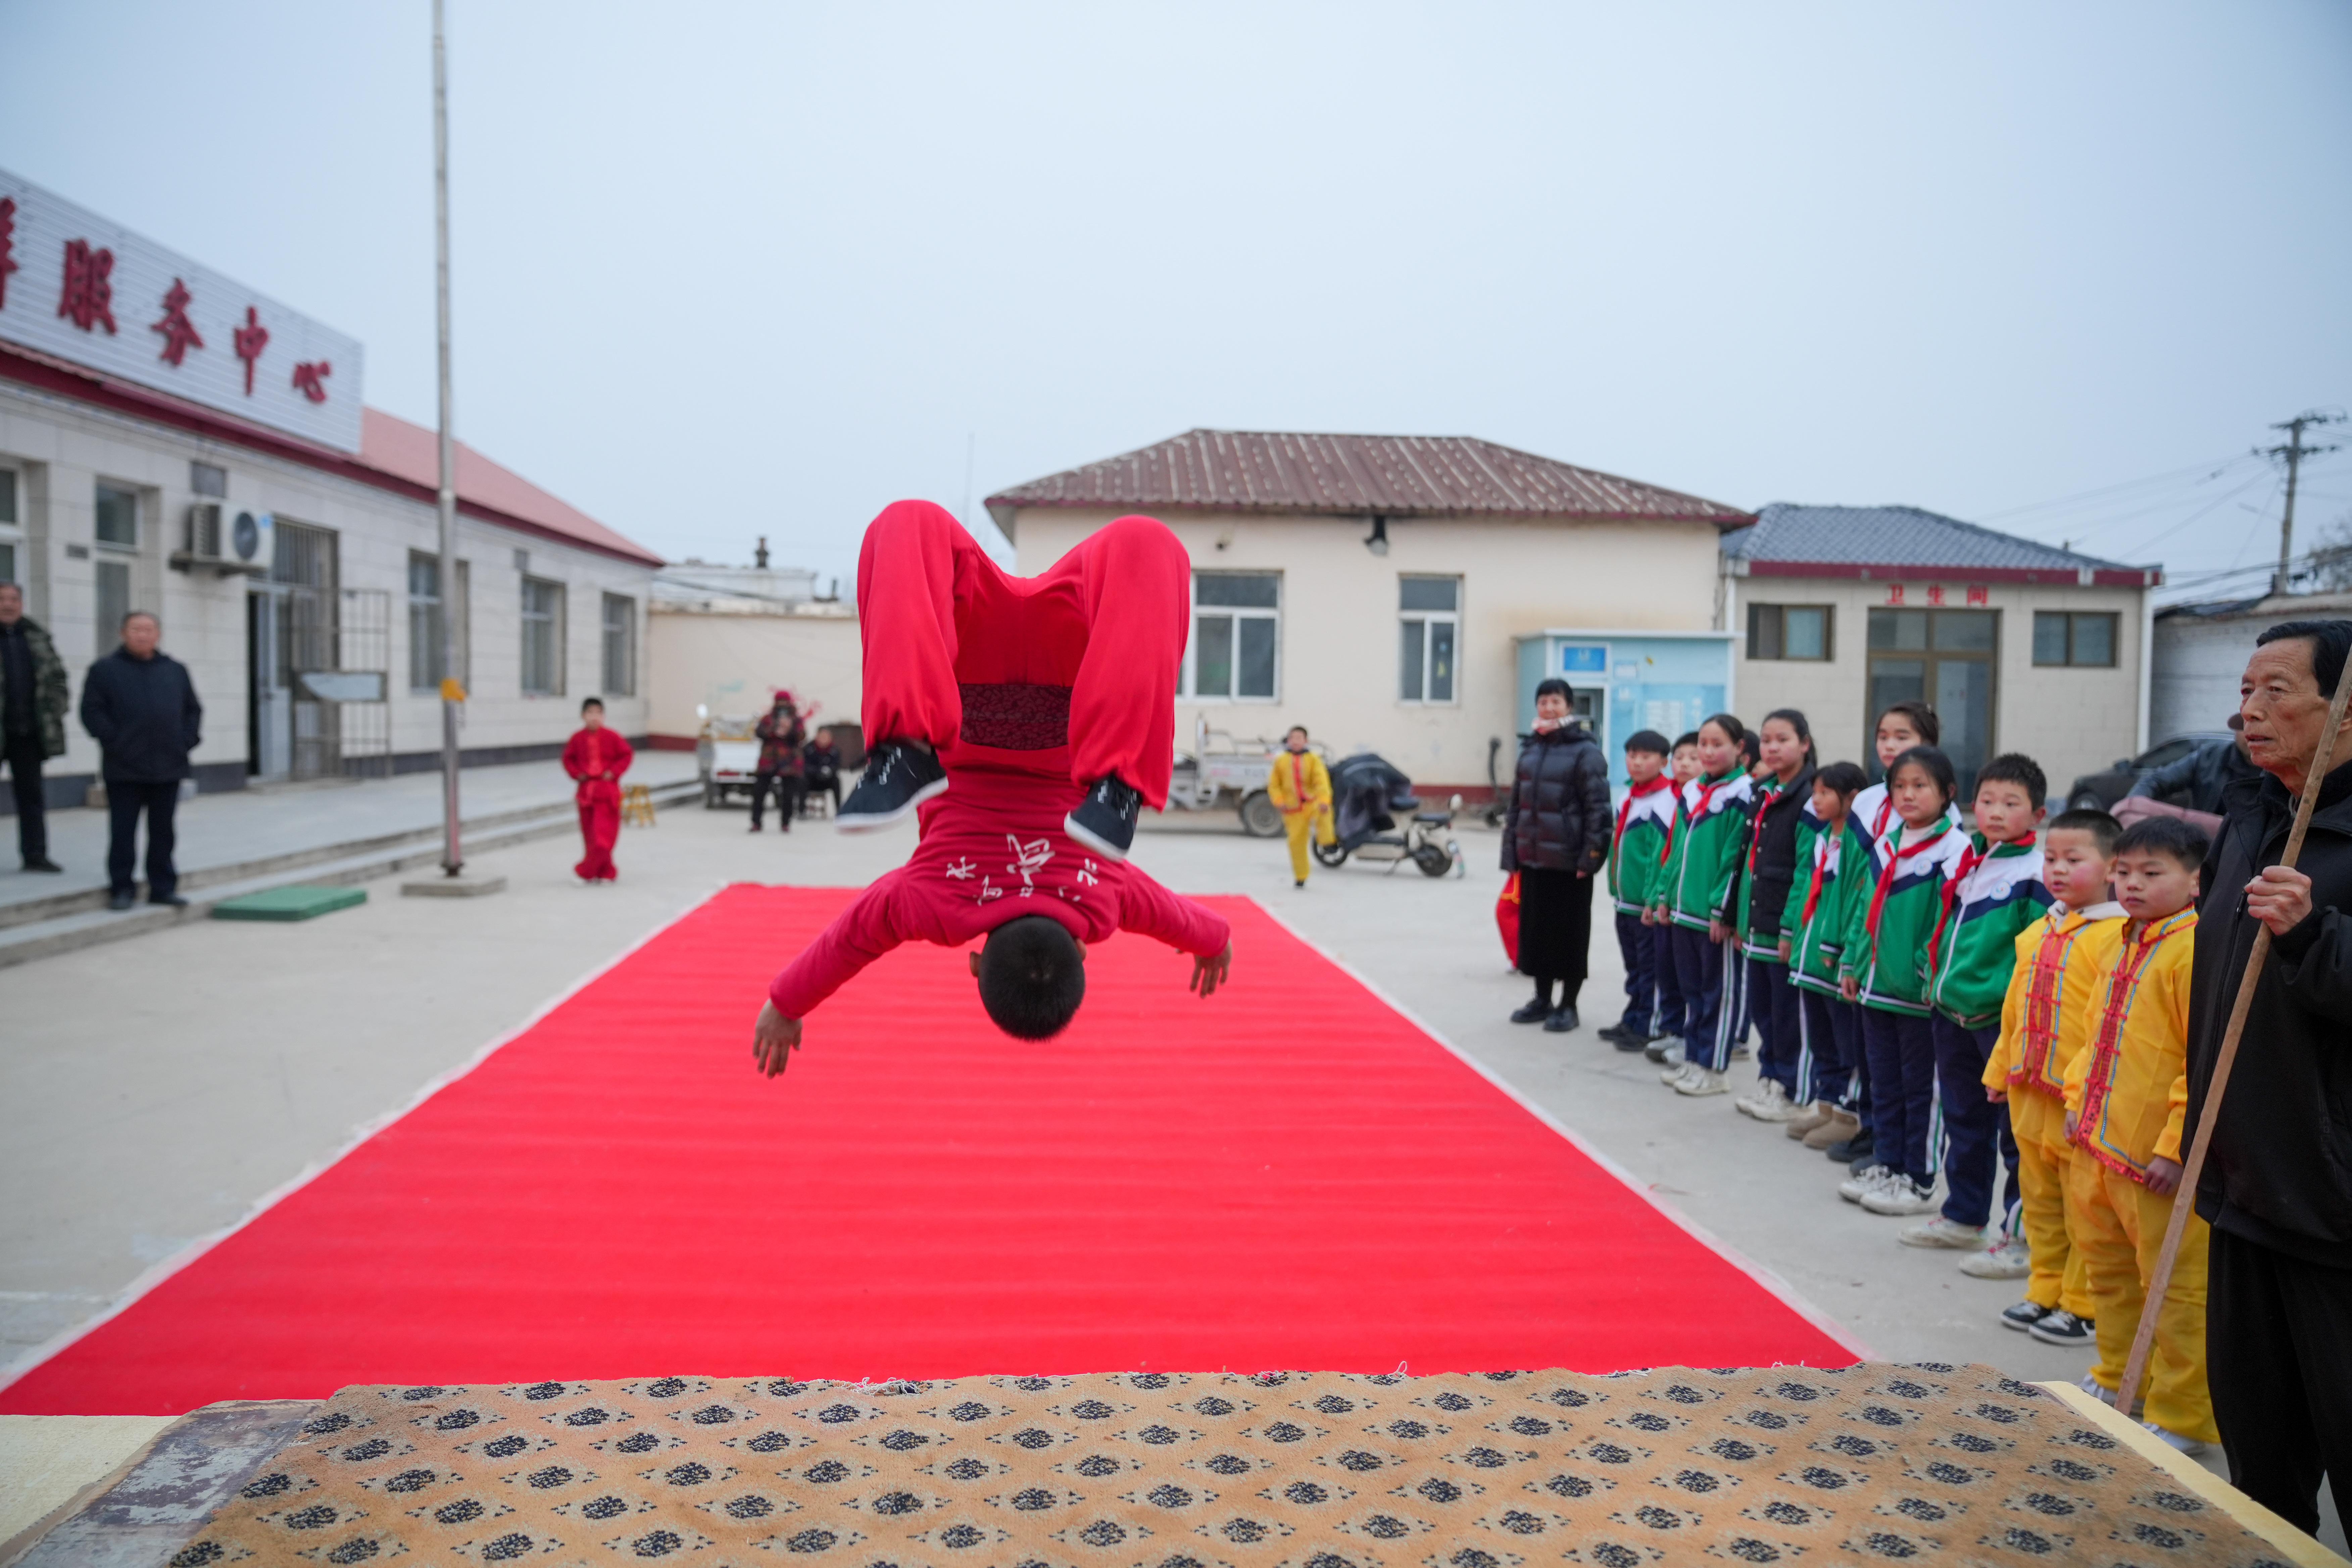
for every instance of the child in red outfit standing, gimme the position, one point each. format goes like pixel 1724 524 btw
pixel 1029 720
pixel 597 758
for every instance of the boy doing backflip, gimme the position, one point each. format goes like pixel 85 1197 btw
pixel 1027 720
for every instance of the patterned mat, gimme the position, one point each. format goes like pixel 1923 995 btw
pixel 1874 1463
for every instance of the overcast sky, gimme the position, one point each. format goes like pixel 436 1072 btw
pixel 731 269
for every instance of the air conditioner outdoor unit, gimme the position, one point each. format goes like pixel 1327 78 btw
pixel 252 542
pixel 216 544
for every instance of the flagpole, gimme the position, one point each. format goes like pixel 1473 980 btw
pixel 453 854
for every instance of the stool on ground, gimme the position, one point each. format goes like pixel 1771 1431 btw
pixel 636 806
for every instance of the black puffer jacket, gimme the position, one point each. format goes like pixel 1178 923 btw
pixel 144 714
pixel 1560 804
pixel 2280 1170
pixel 1776 857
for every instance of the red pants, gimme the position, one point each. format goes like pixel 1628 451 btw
pixel 1011 671
pixel 600 828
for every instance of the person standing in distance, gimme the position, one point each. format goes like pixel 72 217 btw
pixel 141 707
pixel 1301 786
pixel 1556 837
pixel 33 703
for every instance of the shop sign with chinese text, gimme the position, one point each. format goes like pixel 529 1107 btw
pixel 80 288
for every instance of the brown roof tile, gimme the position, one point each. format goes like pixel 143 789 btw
pixel 1354 476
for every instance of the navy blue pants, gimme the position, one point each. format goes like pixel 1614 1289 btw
pixel 1641 956
pixel 1902 1051
pixel 1672 1016
pixel 1779 1024
pixel 1976 1139
pixel 1830 1040
pixel 1710 996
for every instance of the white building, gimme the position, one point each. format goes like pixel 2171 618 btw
pixel 285 534
pixel 2201 651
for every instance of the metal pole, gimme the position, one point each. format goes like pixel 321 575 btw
pixel 453 853
pixel 2287 523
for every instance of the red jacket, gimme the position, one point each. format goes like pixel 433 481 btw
pixel 591 752
pixel 993 850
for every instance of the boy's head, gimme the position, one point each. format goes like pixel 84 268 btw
pixel 2078 857
pixel 1922 784
pixel 1032 975
pixel 1645 755
pixel 591 713
pixel 1685 762
pixel 1835 788
pixel 1902 725
pixel 2010 791
pixel 1297 739
pixel 2157 860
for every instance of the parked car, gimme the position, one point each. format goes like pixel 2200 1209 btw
pixel 2099 792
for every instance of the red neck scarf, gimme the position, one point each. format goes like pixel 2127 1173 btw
pixel 1824 850
pixel 1634 794
pixel 1970 858
pixel 1894 864
pixel 1706 794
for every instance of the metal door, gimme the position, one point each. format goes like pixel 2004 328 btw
pixel 269 753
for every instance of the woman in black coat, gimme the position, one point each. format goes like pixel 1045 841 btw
pixel 1557 838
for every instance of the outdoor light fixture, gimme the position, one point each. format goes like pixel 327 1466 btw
pixel 1377 542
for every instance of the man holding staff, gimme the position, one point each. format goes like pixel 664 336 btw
pixel 2277 1183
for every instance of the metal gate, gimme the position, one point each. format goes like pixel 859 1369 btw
pixel 337 644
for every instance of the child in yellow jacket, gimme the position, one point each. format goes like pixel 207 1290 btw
pixel 1301 786
pixel 2127 1096
pixel 2046 1020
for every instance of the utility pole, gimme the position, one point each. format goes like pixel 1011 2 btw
pixel 453 693
pixel 2294 452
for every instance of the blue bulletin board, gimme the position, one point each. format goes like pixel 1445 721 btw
pixel 1628 680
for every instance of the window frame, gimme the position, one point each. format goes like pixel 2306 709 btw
pixel 555 620
pixel 1776 615
pixel 628 630
pixel 1428 621
pixel 1931 657
pixel 2073 618
pixel 138 523
pixel 1188 684
pixel 434 603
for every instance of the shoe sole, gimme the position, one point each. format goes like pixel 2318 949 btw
pixel 1701 1090
pixel 2064 1340
pixel 867 822
pixel 1102 846
pixel 2021 1328
pixel 1929 1244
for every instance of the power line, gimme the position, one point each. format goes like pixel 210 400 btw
pixel 2207 470
pixel 2294 452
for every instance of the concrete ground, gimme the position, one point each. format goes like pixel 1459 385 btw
pixel 137 1118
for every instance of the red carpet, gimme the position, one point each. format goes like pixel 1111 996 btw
pixel 1289 1174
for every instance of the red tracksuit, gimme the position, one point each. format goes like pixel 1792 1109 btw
pixel 1030 687
pixel 588 756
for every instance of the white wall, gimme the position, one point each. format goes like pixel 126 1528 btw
pixel 732 663
pixel 2199 659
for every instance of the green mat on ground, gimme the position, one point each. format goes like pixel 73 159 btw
pixel 289 904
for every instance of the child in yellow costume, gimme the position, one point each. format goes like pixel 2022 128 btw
pixel 1301 786
pixel 2127 1096
pixel 2060 959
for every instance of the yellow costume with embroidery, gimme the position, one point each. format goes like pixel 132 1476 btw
pixel 2128 1090
pixel 2044 1021
pixel 1301 786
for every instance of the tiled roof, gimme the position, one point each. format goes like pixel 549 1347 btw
pixel 1354 476
pixel 1879 540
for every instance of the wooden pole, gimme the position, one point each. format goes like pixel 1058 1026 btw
pixel 2184 1201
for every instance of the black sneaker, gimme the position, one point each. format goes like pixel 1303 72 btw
pixel 1624 1042
pixel 41 863
pixel 1855 1151
pixel 120 900
pixel 898 778
pixel 1563 1021
pixel 2023 1316
pixel 1105 820
pixel 2060 1327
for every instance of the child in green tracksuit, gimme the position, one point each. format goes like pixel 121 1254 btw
pixel 1693 900
pixel 1883 965
pixel 1643 818
pixel 1829 857
pixel 1995 892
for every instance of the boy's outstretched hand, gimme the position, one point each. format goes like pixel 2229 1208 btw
pixel 1208 973
pixel 774 1039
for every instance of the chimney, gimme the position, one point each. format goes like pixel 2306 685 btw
pixel 760 556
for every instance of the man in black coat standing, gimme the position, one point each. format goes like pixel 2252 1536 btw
pixel 2277 1183
pixel 32 720
pixel 142 708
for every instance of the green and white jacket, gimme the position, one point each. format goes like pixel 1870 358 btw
pixel 1995 894
pixel 1830 867
pixel 1905 869
pixel 1644 819
pixel 1710 839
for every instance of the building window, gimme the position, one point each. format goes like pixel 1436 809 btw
pixel 542 637
pixel 1237 617
pixel 425 612
pixel 620 645
pixel 1948 659
pixel 2074 636
pixel 1788 631
pixel 118 516
pixel 1427 628
pixel 209 480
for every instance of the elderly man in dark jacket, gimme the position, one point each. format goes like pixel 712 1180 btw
pixel 142 708
pixel 2277 1183
pixel 32 720
pixel 1556 837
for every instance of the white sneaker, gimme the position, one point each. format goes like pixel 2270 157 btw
pixel 1702 1081
pixel 1778 1107
pixel 2174 1440
pixel 1742 1054
pixel 2009 1259
pixel 1677 1073
pixel 1901 1195
pixel 1765 1101
pixel 2092 1386
pixel 1863 1183
pixel 1942 1232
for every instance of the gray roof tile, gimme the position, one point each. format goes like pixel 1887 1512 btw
pixel 1895 536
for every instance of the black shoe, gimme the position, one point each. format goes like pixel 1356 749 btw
pixel 170 901
pixel 42 863
pixel 1856 1149
pixel 2060 1327
pixel 120 900
pixel 1105 820
pixel 1635 1042
pixel 2023 1316
pixel 898 778
pixel 1562 1021
pixel 1535 1012
pixel 1612 1033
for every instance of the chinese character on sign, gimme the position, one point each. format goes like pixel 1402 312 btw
pixel 1979 595
pixel 1935 592
pixel 251 339
pixel 1895 592
pixel 7 246
pixel 179 333
pixel 307 378
pixel 88 296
